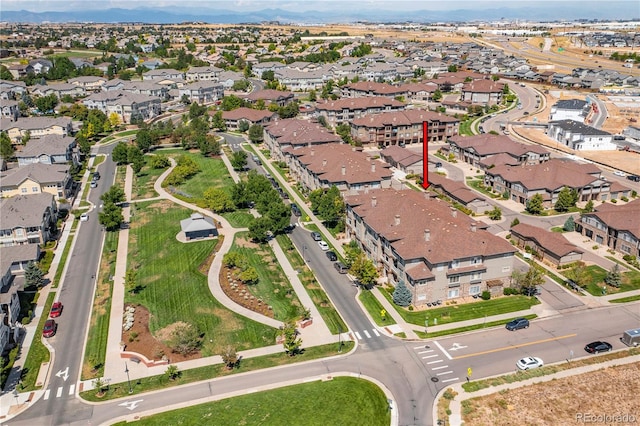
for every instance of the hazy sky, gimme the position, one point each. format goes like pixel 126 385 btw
pixel 63 5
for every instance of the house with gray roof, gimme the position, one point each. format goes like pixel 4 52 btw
pixel 50 149
pixel 201 91
pixel 37 178
pixel 569 109
pixel 128 106
pixel 36 126
pixel 28 219
pixel 581 137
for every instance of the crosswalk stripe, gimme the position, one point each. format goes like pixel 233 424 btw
pixel 450 380
pixel 46 394
pixel 425 352
pixel 366 333
pixel 440 368
pixel 376 332
pixel 59 392
pixel 72 389
pixel 430 356
pixel 358 336
pixel 435 362
pixel 444 372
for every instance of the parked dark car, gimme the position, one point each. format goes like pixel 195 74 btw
pixel 295 209
pixel 96 176
pixel 331 256
pixel 597 347
pixel 634 178
pixel 49 329
pixel 316 236
pixel 341 267
pixel 517 324
pixel 532 291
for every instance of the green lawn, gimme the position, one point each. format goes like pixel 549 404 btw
pixel 462 312
pixel 340 401
pixel 143 182
pixel 175 289
pixel 213 173
pixel 38 352
pixel 239 218
pixel 273 287
pixel 475 184
pixel 374 308
pixel 95 350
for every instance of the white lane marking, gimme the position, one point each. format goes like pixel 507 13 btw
pixel 450 380
pixel 59 393
pixel 425 352
pixel 444 372
pixel 46 394
pixel 358 336
pixel 435 362
pixel 366 333
pixel 376 332
pixel 430 356
pixel 72 389
pixel 443 350
pixel 440 368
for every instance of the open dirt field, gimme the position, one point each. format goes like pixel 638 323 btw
pixel 611 391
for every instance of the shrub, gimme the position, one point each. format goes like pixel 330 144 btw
pixel 486 295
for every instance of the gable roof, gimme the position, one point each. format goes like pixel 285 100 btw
pixel 552 242
pixel 46 145
pixel 38 172
pixel 24 210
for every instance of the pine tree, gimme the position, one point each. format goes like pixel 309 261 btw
pixel 33 275
pixel 401 295
pixel 613 277
pixel 569 224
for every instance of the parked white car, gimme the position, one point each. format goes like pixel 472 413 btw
pixel 323 245
pixel 619 173
pixel 529 362
pixel 84 217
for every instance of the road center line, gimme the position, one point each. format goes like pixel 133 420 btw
pixel 515 346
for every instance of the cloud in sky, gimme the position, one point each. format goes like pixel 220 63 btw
pixel 253 5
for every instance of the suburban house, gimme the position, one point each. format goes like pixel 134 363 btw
pixel 128 106
pixel 521 183
pixel 28 219
pixel 458 193
pixel 9 110
pixel 402 159
pixel 50 149
pixel 148 88
pixel 252 116
pixel 201 91
pixel 576 135
pixel 37 178
pixel 439 253
pixel 203 74
pixel 484 92
pixel 615 226
pixel 59 90
pixel 12 89
pixel 37 127
pixel 282 134
pixel 339 164
pixel 569 109
pixel 403 127
pixel 89 83
pixel 270 96
pixel 546 246
pixel 486 150
pixel 198 226
pixel 164 75
pixel 348 109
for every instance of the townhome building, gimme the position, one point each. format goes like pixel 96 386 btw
pixel 487 150
pixel 403 159
pixel 148 88
pixel 28 219
pixel 613 226
pixel 36 127
pixel 163 74
pixel 549 247
pixel 37 178
pixel 299 80
pixel 49 149
pixel 569 109
pixel 576 135
pixel 403 127
pixel 439 253
pixel 484 92
pixel 270 96
pixel 202 91
pixel 347 109
pixel 89 83
pixel 280 135
pixel 59 90
pixel 371 88
pixel 233 118
pixel 521 183
pixel 336 164
pixel 209 73
pixel 127 106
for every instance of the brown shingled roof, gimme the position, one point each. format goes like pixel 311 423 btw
pixel 551 241
pixel 359 103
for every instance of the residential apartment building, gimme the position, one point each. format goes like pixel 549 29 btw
pixel 128 106
pixel 281 135
pixel 439 253
pixel 579 136
pixel 336 164
pixel 347 109
pixel 28 219
pixel 36 127
pixel 614 226
pixel 201 91
pixel 403 127
pixel 569 109
pixel 482 92
pixel 233 118
pixel 89 83
pixel 210 73
pixel 37 178
pixel 50 149
pixel 486 150
pixel 270 96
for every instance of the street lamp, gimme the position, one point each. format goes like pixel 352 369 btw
pixel 126 370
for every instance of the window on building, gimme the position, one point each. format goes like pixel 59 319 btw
pixel 453 293
pixel 34 189
pixel 476 276
pixel 474 289
pixel 454 279
pixel 23 190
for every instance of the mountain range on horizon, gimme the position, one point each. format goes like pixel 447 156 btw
pixel 556 11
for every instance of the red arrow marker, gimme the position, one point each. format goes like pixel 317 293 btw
pixel 425 155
